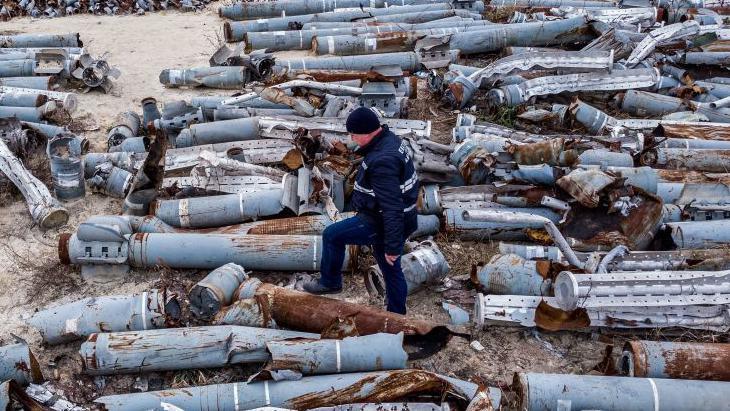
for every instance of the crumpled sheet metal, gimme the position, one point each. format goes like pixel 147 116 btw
pixel 586 185
pixel 306 393
pixel 17 363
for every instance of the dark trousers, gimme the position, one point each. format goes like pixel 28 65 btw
pixel 357 231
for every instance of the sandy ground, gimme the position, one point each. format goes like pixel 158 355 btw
pixel 32 278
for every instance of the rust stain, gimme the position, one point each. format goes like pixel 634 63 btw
pixel 701 362
pixel 698 131
pixel 542 152
pixel 306 225
pixel 63 253
pixel 551 318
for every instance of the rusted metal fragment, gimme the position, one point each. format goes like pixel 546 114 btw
pixel 686 360
pixel 586 185
pixel 17 363
pixel 312 313
pixel 713 131
pixel 592 228
pixel 551 152
pixel 552 318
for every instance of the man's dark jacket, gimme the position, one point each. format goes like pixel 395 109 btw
pixel 386 189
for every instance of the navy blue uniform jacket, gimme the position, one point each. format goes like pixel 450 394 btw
pixel 386 189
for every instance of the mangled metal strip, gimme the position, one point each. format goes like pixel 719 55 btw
pixel 247 11
pixel 18 363
pixel 218 211
pixel 222 77
pixel 41 40
pixel 265 151
pixel 79 319
pixel 422 266
pixel 634 289
pixel 196 250
pixel 216 290
pixel 664 34
pixel 700 234
pixel 513 95
pixel 592 392
pixel 511 274
pixel 223 184
pixel 682 360
pixel 375 352
pixel 460 90
pixel 520 310
pixel 306 393
pixel 45 210
pixel 179 348
pixel 523 34
pixel 36 82
pixel 646 16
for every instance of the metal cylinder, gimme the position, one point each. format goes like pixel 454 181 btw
pixel 512 274
pixel 216 290
pixel 248 11
pixel 700 234
pixel 628 288
pixel 14 99
pixel 683 360
pixel 305 393
pixel 407 61
pixel 18 363
pixel 17 68
pixel 41 40
pixel 462 224
pixel 111 180
pixel 605 158
pixel 376 352
pixel 124 160
pixel 126 125
pixel 218 132
pixel 150 111
pixel 222 77
pixel 67 167
pixel 69 101
pixel 591 392
pixel 35 82
pixel 79 319
pixel 179 348
pixel 218 211
pixel 530 252
pixel 424 265
pixel 44 209
pixel 689 159
pixel 131 145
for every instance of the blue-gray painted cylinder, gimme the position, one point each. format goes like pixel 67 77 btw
pixel 512 274
pixel 216 290
pixel 218 132
pixel 67 167
pixel 218 211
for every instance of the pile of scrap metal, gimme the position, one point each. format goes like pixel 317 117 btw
pixel 48 9
pixel 38 63
pixel 33 115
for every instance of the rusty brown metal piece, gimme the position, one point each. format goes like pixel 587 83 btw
pixel 551 318
pixel 692 361
pixel 306 312
pixel 306 225
pixel 63 255
pixel 694 130
pixel 393 387
pixel 594 227
pixel 552 152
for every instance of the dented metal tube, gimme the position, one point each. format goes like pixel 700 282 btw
pixel 216 290
pixel 223 77
pixel 513 275
pixel 79 319
pixel 682 360
pixel 218 211
pixel 179 348
pixel 41 40
pixel 375 352
pixel 219 132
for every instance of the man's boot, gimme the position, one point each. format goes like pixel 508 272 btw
pixel 313 286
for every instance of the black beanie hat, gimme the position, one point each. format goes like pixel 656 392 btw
pixel 362 120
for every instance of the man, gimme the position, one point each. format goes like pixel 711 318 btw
pixel 385 194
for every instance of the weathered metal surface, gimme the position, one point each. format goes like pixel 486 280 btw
pixel 41 40
pixel 67 167
pixel 511 274
pixel 179 348
pixel 222 77
pixel 467 225
pixel 111 180
pixel 313 313
pixel 216 290
pixel 18 363
pixel 699 234
pixel 306 393
pixel 376 352
pixel 585 392
pixel 45 210
pixel 79 319
pixel 682 360
pixel 424 265
pixel 634 288
pixel 218 132
pixel 36 82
